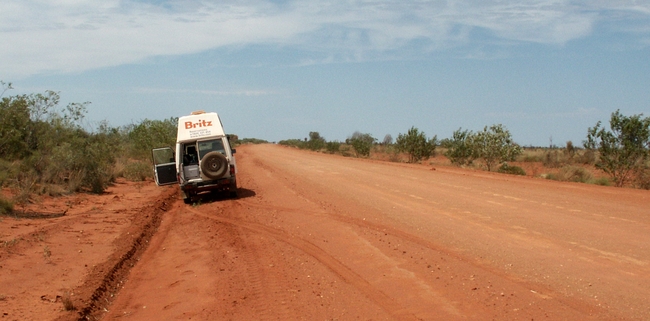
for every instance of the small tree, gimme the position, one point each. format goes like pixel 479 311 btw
pixel 494 145
pixel 362 143
pixel 459 147
pixel 388 140
pixel 623 149
pixel 315 142
pixel 415 143
pixel 570 151
pixel 15 123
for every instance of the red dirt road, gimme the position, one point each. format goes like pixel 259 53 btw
pixel 322 237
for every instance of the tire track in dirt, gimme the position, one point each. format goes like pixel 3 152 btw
pixel 340 269
pixel 105 281
pixel 442 259
pixel 324 204
pixel 262 285
pixel 25 241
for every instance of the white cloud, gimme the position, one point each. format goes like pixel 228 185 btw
pixel 77 35
pixel 540 21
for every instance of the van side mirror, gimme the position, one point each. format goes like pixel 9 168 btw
pixel 233 150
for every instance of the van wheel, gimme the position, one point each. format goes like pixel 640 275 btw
pixel 214 165
pixel 233 188
pixel 187 196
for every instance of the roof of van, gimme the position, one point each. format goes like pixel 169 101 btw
pixel 199 125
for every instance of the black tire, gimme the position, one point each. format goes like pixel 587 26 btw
pixel 233 189
pixel 188 196
pixel 214 165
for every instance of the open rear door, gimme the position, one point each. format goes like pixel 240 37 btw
pixel 164 166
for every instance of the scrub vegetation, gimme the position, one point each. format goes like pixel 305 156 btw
pixel 493 146
pixel 618 156
pixel 623 149
pixel 46 148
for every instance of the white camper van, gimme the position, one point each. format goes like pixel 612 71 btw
pixel 203 160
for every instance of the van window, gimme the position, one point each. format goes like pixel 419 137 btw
pixel 207 146
pixel 190 156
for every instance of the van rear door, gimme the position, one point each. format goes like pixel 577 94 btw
pixel 164 166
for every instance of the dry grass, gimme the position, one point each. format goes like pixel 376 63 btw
pixel 50 190
pixel 570 165
pixel 643 178
pixel 532 155
pixel 66 299
pixel 9 243
pixel 137 171
pixel 47 253
pixel 6 206
pixel 571 173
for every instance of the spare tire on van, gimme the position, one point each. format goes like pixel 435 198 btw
pixel 214 165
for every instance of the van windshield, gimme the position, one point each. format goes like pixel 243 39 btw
pixel 207 146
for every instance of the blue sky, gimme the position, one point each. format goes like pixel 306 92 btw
pixel 546 69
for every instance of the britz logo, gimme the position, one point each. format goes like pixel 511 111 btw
pixel 199 124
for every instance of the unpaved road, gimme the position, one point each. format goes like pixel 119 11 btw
pixel 322 237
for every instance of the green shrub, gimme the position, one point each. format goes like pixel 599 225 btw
pixel 6 206
pixel 362 143
pixel 333 147
pixel 514 170
pixel 150 134
pixel 137 171
pixel 297 143
pixel 623 149
pixel 494 145
pixel 7 171
pixel 459 148
pixel 54 148
pixel 416 145
pixel 15 126
pixel 315 142
pixel 244 141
